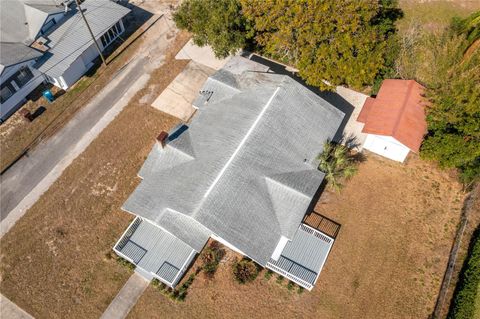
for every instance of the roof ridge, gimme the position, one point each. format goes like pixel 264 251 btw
pixel 404 106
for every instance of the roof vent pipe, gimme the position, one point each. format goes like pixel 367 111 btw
pixel 162 139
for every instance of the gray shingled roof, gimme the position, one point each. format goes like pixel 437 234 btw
pixel 49 7
pixel 13 53
pixel 245 168
pixel 18 25
pixel 71 38
pixel 13 23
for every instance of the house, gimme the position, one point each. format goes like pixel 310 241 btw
pixel 242 172
pixel 47 41
pixel 395 120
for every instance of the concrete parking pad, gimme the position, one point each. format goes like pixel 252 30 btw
pixel 177 98
pixel 202 55
pixel 353 128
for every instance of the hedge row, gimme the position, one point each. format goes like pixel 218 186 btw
pixel 463 306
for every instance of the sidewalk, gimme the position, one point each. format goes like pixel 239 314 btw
pixel 126 298
pixel 10 310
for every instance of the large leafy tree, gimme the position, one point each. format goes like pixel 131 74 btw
pixel 218 23
pixel 342 42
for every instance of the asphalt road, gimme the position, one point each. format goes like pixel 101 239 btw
pixel 24 175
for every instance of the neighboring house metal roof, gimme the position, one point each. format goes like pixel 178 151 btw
pixel 14 53
pixel 245 169
pixel 155 250
pixel 397 111
pixel 71 37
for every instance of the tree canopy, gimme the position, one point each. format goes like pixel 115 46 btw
pixel 454 118
pixel 342 42
pixel 218 23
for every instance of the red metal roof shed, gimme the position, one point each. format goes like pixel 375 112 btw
pixel 397 111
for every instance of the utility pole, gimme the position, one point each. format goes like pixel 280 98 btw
pixel 91 33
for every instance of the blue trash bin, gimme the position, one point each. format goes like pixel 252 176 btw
pixel 47 94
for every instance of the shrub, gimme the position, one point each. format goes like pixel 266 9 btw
pixel 245 271
pixel 300 290
pixel 280 279
pixel 125 263
pixel 175 294
pixel 211 257
pixel 466 293
pixel 290 285
pixel 268 274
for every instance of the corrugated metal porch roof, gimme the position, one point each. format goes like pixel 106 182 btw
pixel 303 257
pixel 155 251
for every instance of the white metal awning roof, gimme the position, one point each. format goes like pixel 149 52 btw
pixel 303 257
pixel 155 251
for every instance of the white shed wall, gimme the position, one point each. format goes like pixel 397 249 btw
pixel 386 146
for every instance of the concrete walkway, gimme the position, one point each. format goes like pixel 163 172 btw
pixel 10 310
pixel 126 298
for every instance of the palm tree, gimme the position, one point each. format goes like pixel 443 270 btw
pixel 337 163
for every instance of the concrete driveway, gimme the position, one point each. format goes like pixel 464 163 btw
pixel 177 98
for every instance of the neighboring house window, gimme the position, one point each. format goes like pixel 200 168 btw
pixel 15 82
pixel 112 33
pixel 48 25
pixel 23 76
pixel 6 92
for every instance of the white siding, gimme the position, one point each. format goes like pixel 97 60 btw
pixel 16 100
pixel 386 146
pixel 74 72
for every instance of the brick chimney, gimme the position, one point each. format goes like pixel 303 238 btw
pixel 162 139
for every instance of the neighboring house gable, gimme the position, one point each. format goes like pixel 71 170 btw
pixel 15 53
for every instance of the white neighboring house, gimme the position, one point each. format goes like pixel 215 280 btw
pixel 394 120
pixel 17 75
pixel 47 41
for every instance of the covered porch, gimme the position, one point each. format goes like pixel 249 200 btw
pixel 155 252
pixel 302 258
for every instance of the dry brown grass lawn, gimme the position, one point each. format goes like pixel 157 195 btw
pixel 398 223
pixel 54 261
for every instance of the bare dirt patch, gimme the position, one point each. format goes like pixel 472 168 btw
pixel 56 262
pixel 398 223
